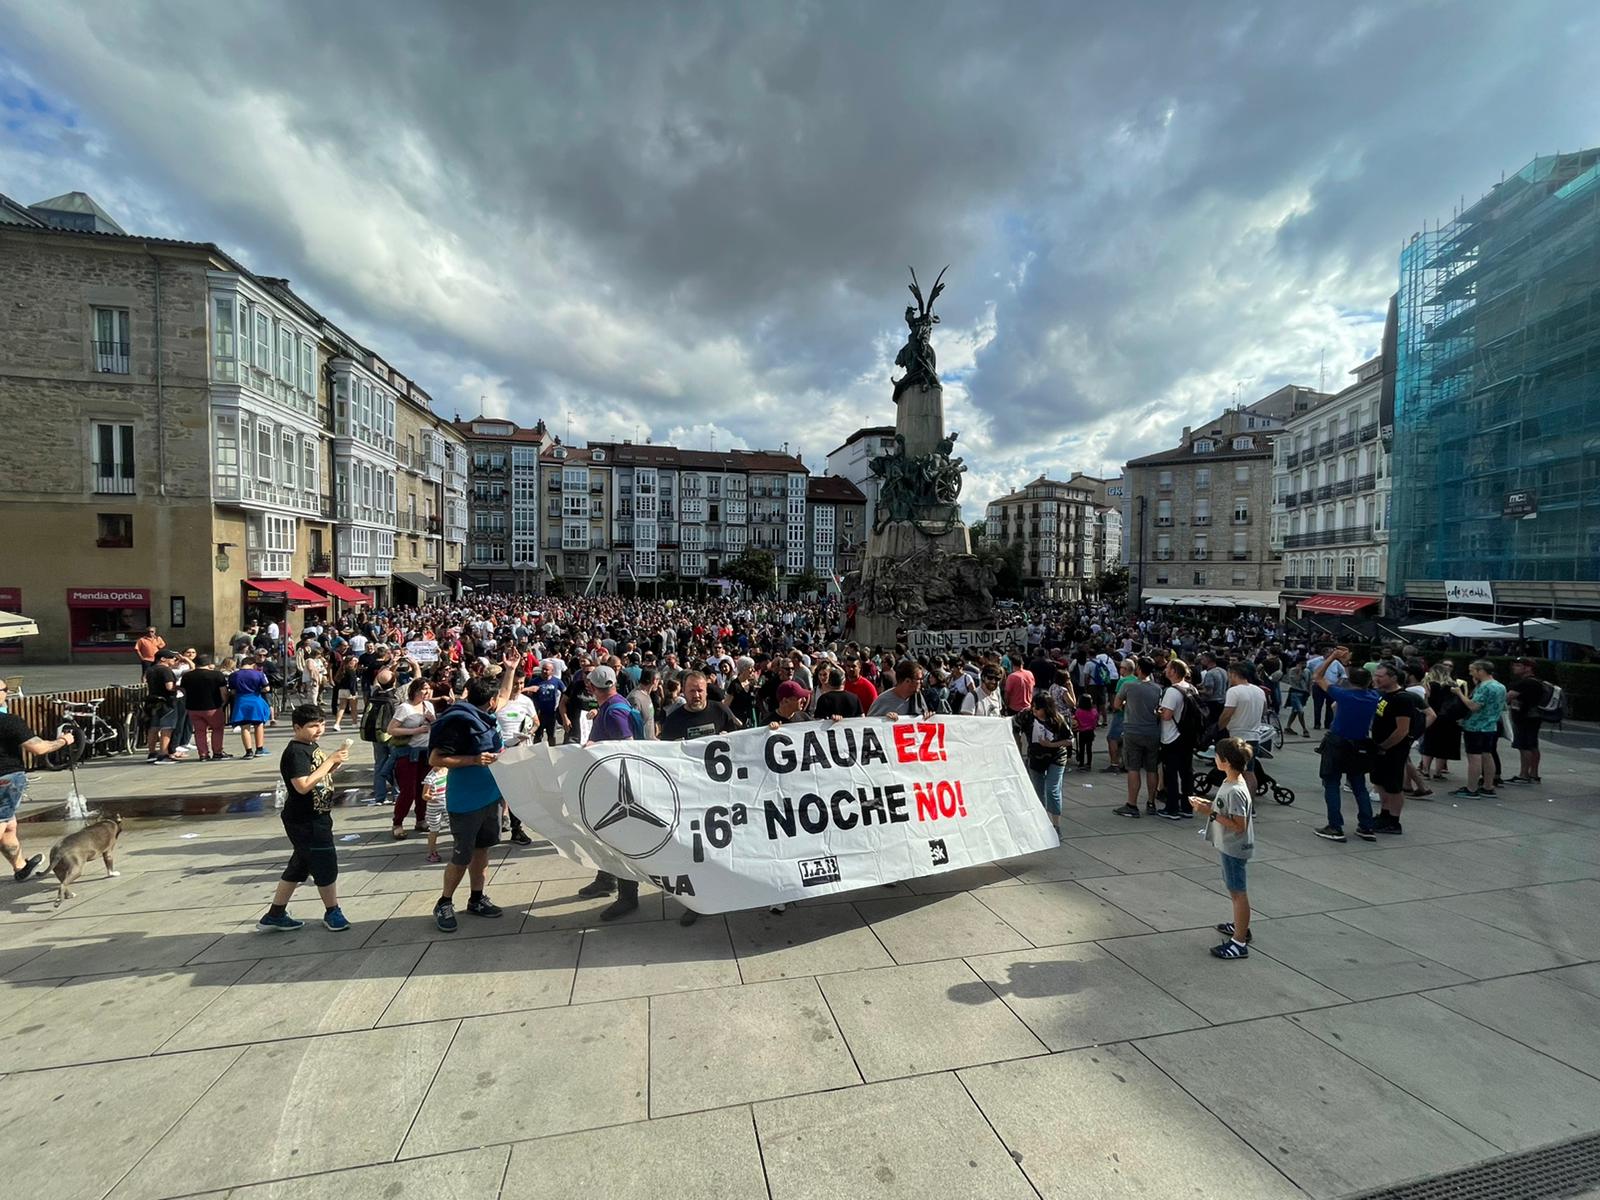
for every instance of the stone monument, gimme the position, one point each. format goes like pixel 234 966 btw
pixel 919 571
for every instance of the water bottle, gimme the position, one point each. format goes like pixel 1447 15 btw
pixel 280 794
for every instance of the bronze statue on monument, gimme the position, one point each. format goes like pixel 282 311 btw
pixel 919 570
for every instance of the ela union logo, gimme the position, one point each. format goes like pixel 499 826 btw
pixel 630 804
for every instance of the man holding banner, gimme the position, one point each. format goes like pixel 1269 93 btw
pixel 612 723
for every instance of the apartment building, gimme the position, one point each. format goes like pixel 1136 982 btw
pixel 682 514
pixel 189 444
pixel 836 514
pixel 432 479
pixel 499 508
pixel 1054 522
pixel 853 461
pixel 1198 515
pixel 1330 501
pixel 576 483
pixel 1106 552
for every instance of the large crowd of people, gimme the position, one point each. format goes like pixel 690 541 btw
pixel 439 691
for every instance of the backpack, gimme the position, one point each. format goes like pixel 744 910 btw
pixel 1554 708
pixel 375 721
pixel 1191 722
pixel 635 717
pixel 1100 673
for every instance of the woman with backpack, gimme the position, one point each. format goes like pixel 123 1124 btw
pixel 1181 725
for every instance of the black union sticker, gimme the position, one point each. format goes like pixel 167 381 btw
pixel 814 871
pixel 940 854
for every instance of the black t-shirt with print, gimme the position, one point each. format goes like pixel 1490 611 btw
pixel 682 725
pixel 13 732
pixel 1391 708
pixel 299 760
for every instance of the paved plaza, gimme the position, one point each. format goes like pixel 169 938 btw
pixel 1051 1026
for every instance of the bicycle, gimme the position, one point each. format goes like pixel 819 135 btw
pixel 92 734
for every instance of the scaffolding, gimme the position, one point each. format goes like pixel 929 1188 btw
pixel 1497 385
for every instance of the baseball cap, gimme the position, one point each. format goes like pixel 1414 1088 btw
pixel 790 690
pixel 603 677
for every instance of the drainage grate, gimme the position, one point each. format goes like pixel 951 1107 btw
pixel 1565 1169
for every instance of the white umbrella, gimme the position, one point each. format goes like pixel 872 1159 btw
pixel 1255 604
pixel 16 625
pixel 1461 627
pixel 1159 601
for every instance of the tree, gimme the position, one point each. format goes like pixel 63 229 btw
pixel 976 531
pixel 753 570
pixel 1112 582
pixel 805 582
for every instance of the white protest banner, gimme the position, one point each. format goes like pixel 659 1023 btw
pixel 762 816
pixel 920 640
pixel 423 651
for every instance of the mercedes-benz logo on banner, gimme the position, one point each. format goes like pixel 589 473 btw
pixel 630 804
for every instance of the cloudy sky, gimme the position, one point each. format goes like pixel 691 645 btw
pixel 693 221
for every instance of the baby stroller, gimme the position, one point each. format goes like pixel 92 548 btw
pixel 1205 785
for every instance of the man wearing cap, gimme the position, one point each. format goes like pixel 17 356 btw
pixel 612 723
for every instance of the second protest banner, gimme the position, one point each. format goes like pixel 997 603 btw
pixel 764 816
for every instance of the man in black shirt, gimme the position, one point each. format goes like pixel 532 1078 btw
pixel 161 705
pixel 15 737
pixel 834 700
pixel 696 717
pixel 1395 723
pixel 1525 695
pixel 308 820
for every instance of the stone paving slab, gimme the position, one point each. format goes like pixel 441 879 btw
pixel 1475 949
pixel 483 976
pixel 1315 1120
pixel 804 941
pixel 1052 914
pixel 1509 1095
pixel 75 1132
pixel 286 1108
pixel 733 1045
pixel 1350 961
pixel 1104 1123
pixel 923 928
pixel 908 1139
pixel 925 1017
pixel 97 1018
pixel 647 959
pixel 1276 892
pixel 1163 900
pixel 1080 995
pixel 522 1075
pixel 301 996
pixel 1179 964
pixel 702 1156
pixel 468 1175
pixel 1536 1010
pixel 1559 914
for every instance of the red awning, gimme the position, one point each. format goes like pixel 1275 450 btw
pixel 1336 604
pixel 288 589
pixel 339 591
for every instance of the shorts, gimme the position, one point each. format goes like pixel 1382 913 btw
pixel 472 831
pixel 1389 768
pixel 13 787
pixel 1480 741
pixel 1233 873
pixel 1114 730
pixel 164 717
pixel 1297 701
pixel 1140 752
pixel 1525 733
pixel 315 856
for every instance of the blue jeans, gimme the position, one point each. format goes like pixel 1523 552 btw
pixel 1330 793
pixel 384 760
pixel 1047 783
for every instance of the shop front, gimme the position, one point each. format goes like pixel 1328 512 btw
pixel 106 620
pixel 413 587
pixel 269 600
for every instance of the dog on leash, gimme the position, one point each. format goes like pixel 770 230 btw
pixel 98 839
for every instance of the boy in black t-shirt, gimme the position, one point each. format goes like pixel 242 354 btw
pixel 308 820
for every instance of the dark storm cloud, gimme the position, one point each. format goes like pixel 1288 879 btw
pixel 687 215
